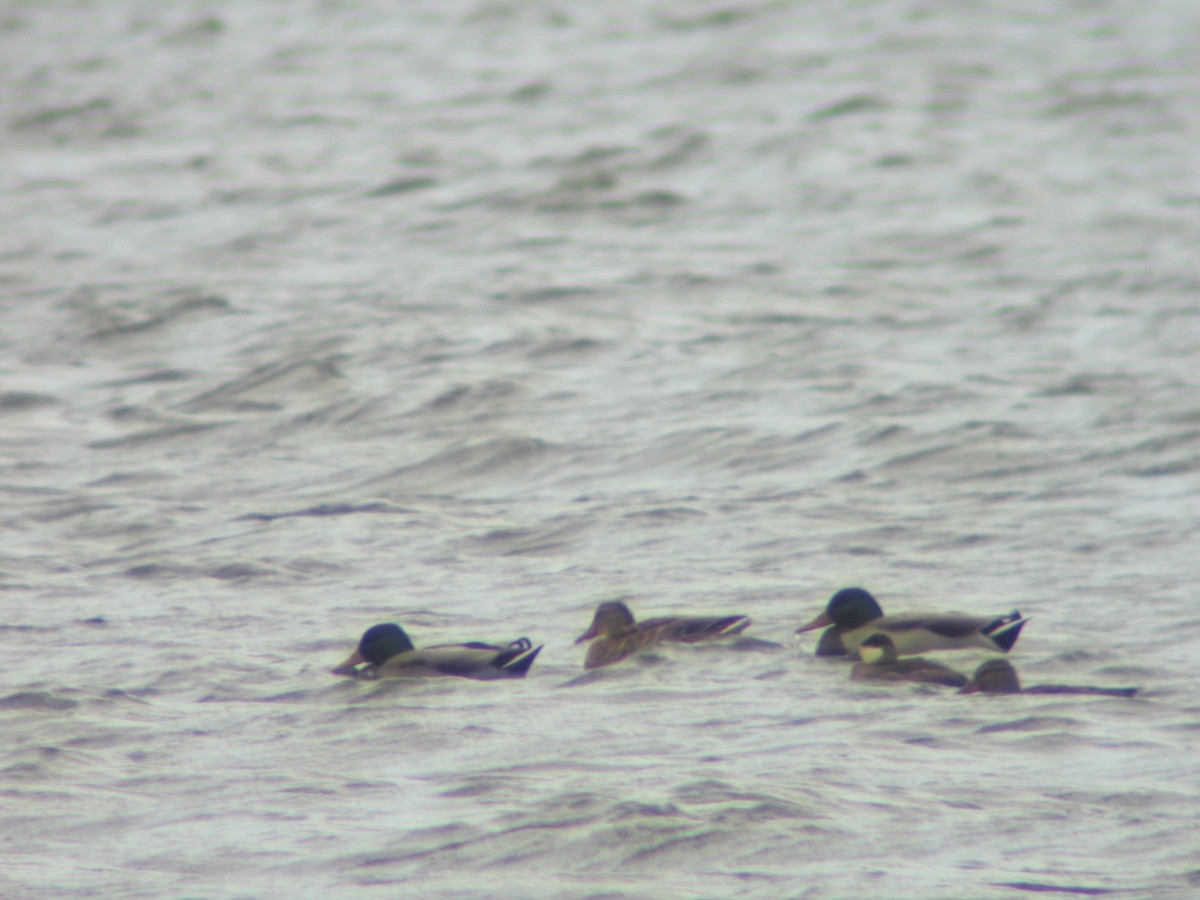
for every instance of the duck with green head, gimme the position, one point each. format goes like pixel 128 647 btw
pixel 997 676
pixel 385 651
pixel 852 615
pixel 879 663
pixel 615 634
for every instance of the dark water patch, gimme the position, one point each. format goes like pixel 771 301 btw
pixel 37 700
pixel 160 376
pixel 666 515
pixel 237 571
pixel 917 456
pixel 853 105
pixel 405 184
pixel 23 401
pixel 124 479
pixel 323 510
pixel 155 436
pixel 69 510
pixel 565 347
pixel 552 538
pixel 484 396
pixel 96 110
pixel 300 374
pixel 1035 887
pixel 499 460
pixel 537 296
pixel 161 571
pixel 121 324
pixel 1161 470
pixel 1033 723
pixel 477 787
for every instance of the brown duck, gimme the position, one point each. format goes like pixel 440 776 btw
pixel 615 635
pixel 879 663
pixel 997 676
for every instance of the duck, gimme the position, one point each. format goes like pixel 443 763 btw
pixel 879 663
pixel 853 615
pixel 386 651
pixel 615 634
pixel 997 676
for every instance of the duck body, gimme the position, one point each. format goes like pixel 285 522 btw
pixel 880 664
pixel 853 615
pixel 385 651
pixel 615 635
pixel 997 676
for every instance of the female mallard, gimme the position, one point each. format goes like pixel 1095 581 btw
pixel 620 636
pixel 388 653
pixel 997 676
pixel 879 663
pixel 855 615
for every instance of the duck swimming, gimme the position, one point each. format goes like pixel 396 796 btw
pixel 997 676
pixel 615 635
pixel 388 652
pixel 854 615
pixel 879 663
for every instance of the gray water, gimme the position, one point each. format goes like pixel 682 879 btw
pixel 470 315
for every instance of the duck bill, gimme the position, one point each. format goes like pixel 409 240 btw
pixel 971 688
pixel 348 666
pixel 819 622
pixel 588 635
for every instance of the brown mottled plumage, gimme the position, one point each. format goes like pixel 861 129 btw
pixel 615 635
pixel 879 663
pixel 997 676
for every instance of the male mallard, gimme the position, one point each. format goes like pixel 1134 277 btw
pixel 879 663
pixel 388 653
pixel 855 615
pixel 620 636
pixel 997 676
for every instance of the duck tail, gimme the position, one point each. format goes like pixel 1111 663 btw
pixel 1005 630
pixel 516 662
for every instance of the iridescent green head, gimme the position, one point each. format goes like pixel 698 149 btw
pixel 380 643
pixel 850 608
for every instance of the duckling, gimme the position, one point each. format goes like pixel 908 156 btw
pixel 879 663
pixel 997 676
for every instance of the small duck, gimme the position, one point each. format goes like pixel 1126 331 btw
pixel 389 653
pixel 879 663
pixel 997 676
pixel 854 615
pixel 620 636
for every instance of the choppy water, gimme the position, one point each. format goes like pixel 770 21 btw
pixel 469 315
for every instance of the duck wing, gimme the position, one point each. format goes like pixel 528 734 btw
pixel 690 629
pixel 606 651
pixel 474 659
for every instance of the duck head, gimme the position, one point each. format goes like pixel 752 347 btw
pixel 877 650
pixel 996 676
pixel 612 618
pixel 849 608
pixel 378 644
